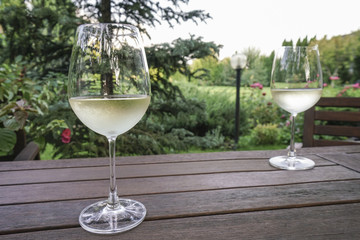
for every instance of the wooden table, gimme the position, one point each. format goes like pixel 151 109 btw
pixel 228 195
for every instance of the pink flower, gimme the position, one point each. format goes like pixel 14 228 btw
pixel 356 85
pixel 257 85
pixel 282 116
pixel 325 85
pixel 334 78
pixel 66 135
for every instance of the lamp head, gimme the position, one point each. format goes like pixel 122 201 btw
pixel 238 61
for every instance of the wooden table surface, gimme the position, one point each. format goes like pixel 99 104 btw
pixel 227 195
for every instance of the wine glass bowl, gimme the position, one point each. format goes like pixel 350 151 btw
pixel 109 91
pixel 296 85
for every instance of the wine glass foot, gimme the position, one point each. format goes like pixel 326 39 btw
pixel 102 218
pixel 292 163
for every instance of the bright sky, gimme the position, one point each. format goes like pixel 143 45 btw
pixel 263 24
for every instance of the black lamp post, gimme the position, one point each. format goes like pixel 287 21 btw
pixel 238 62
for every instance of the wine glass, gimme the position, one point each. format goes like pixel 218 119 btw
pixel 109 91
pixel 296 85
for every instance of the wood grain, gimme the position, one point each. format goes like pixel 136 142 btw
pixel 144 170
pixel 228 195
pixel 339 102
pixel 351 161
pixel 297 223
pixel 169 158
pixel 188 204
pixel 337 116
pixel 153 185
pixel 337 130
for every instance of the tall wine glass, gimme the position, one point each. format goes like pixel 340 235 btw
pixel 296 85
pixel 109 91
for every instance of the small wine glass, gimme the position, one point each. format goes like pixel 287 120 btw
pixel 109 91
pixel 296 85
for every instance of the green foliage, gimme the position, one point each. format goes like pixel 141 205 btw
pixel 140 13
pixel 258 72
pixel 20 98
pixel 210 71
pixel 265 134
pixel 167 59
pixel 42 32
pixel 7 140
pixel 339 56
pixel 301 43
pixel 262 108
pixel 252 54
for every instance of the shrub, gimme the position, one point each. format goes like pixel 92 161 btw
pixel 22 98
pixel 265 134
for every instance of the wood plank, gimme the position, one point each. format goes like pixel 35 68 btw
pixel 323 142
pixel 308 130
pixel 186 204
pixel 339 102
pixel 337 116
pixel 30 152
pixel 351 161
pixel 30 193
pixel 145 170
pixel 167 158
pixel 337 130
pixel 323 222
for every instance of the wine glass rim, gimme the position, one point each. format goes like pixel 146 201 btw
pixel 314 47
pixel 121 25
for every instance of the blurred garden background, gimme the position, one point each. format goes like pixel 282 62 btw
pixel 193 91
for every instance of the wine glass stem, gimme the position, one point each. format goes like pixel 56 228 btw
pixel 292 152
pixel 113 197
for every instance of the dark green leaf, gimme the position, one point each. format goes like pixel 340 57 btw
pixel 21 117
pixel 7 139
pixel 12 124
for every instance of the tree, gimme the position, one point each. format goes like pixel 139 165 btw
pixel 339 56
pixel 140 13
pixel 258 67
pixel 43 33
pixel 166 59
pixel 251 54
pixel 301 43
pixel 40 31
pixel 163 58
pixel 211 71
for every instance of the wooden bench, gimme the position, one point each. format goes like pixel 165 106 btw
pixel 30 152
pixel 332 123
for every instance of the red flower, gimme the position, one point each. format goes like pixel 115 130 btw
pixel 66 135
pixel 269 103
pixel 264 93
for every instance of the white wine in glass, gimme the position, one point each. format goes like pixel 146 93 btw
pixel 109 91
pixel 296 85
